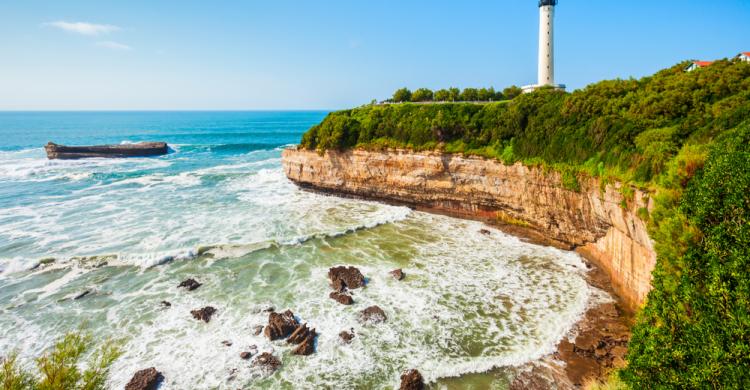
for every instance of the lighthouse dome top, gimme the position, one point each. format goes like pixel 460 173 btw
pixel 542 3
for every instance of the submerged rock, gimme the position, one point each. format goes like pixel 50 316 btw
pixel 165 304
pixel 305 338
pixel 346 336
pixel 81 295
pixel 343 277
pixel 190 284
pixel 280 325
pixel 147 379
pixel 342 298
pixel 412 380
pixel 204 314
pixel 257 329
pixel 485 232
pixel 245 355
pixel 267 362
pixel 373 315
pixel 226 343
pixel 397 274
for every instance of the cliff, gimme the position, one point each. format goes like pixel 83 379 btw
pixel 595 221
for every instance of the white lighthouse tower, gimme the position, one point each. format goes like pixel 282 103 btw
pixel 546 65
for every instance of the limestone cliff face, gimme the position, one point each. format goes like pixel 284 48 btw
pixel 526 199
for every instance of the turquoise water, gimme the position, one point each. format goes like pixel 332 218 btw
pixel 219 208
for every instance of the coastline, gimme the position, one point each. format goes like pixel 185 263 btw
pixel 598 341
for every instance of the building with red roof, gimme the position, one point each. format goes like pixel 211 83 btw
pixel 697 65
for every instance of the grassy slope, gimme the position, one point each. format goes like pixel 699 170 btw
pixel 683 135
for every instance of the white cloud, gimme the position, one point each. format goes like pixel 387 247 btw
pixel 113 45
pixel 84 28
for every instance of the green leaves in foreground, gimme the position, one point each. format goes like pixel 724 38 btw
pixel 60 368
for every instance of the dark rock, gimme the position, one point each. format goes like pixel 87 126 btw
pixel 245 355
pixel 280 325
pixel 267 362
pixel 346 337
pixel 165 304
pixel 190 284
pixel 203 314
pixel 142 149
pixel 342 298
pixel 268 309
pixel 305 338
pixel 397 274
pixel 227 343
pixel 258 329
pixel 343 277
pixel 373 315
pixel 485 232
pixel 412 380
pixel 147 379
pixel 81 295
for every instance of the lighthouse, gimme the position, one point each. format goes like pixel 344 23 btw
pixel 546 63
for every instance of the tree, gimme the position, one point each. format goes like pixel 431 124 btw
pixel 442 95
pixel 470 95
pixel 512 92
pixel 454 94
pixel 402 95
pixel 421 95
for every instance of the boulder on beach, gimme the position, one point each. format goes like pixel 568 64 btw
pixel 412 380
pixel 203 314
pixel 397 274
pixel 342 298
pixel 372 315
pixel 343 277
pixel 147 379
pixel 190 284
pixel 305 337
pixel 267 362
pixel 280 325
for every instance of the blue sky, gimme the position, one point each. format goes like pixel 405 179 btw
pixel 285 54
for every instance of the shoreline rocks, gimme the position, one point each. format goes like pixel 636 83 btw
pixel 147 379
pixel 267 362
pixel 190 284
pixel 204 314
pixel 343 278
pixel 342 298
pixel 280 325
pixel 397 274
pixel 372 315
pixel 412 380
pixel 305 338
pixel 346 336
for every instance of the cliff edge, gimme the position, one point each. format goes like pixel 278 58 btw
pixel 597 221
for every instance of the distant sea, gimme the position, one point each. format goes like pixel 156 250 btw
pixel 219 208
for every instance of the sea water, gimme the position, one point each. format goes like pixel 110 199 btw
pixel 219 209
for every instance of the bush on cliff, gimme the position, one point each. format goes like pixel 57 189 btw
pixel 685 135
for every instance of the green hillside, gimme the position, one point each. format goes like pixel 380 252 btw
pixel 683 135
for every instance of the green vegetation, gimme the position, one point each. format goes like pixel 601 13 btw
pixel 60 368
pixel 683 135
pixel 421 95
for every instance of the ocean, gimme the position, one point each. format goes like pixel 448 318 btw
pixel 218 208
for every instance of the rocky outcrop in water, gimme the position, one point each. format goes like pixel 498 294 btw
pixel 346 336
pixel 397 274
pixel 412 380
pixel 147 379
pixel 597 219
pixel 204 314
pixel 342 298
pixel 343 278
pixel 372 315
pixel 305 338
pixel 190 284
pixel 280 325
pixel 267 362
